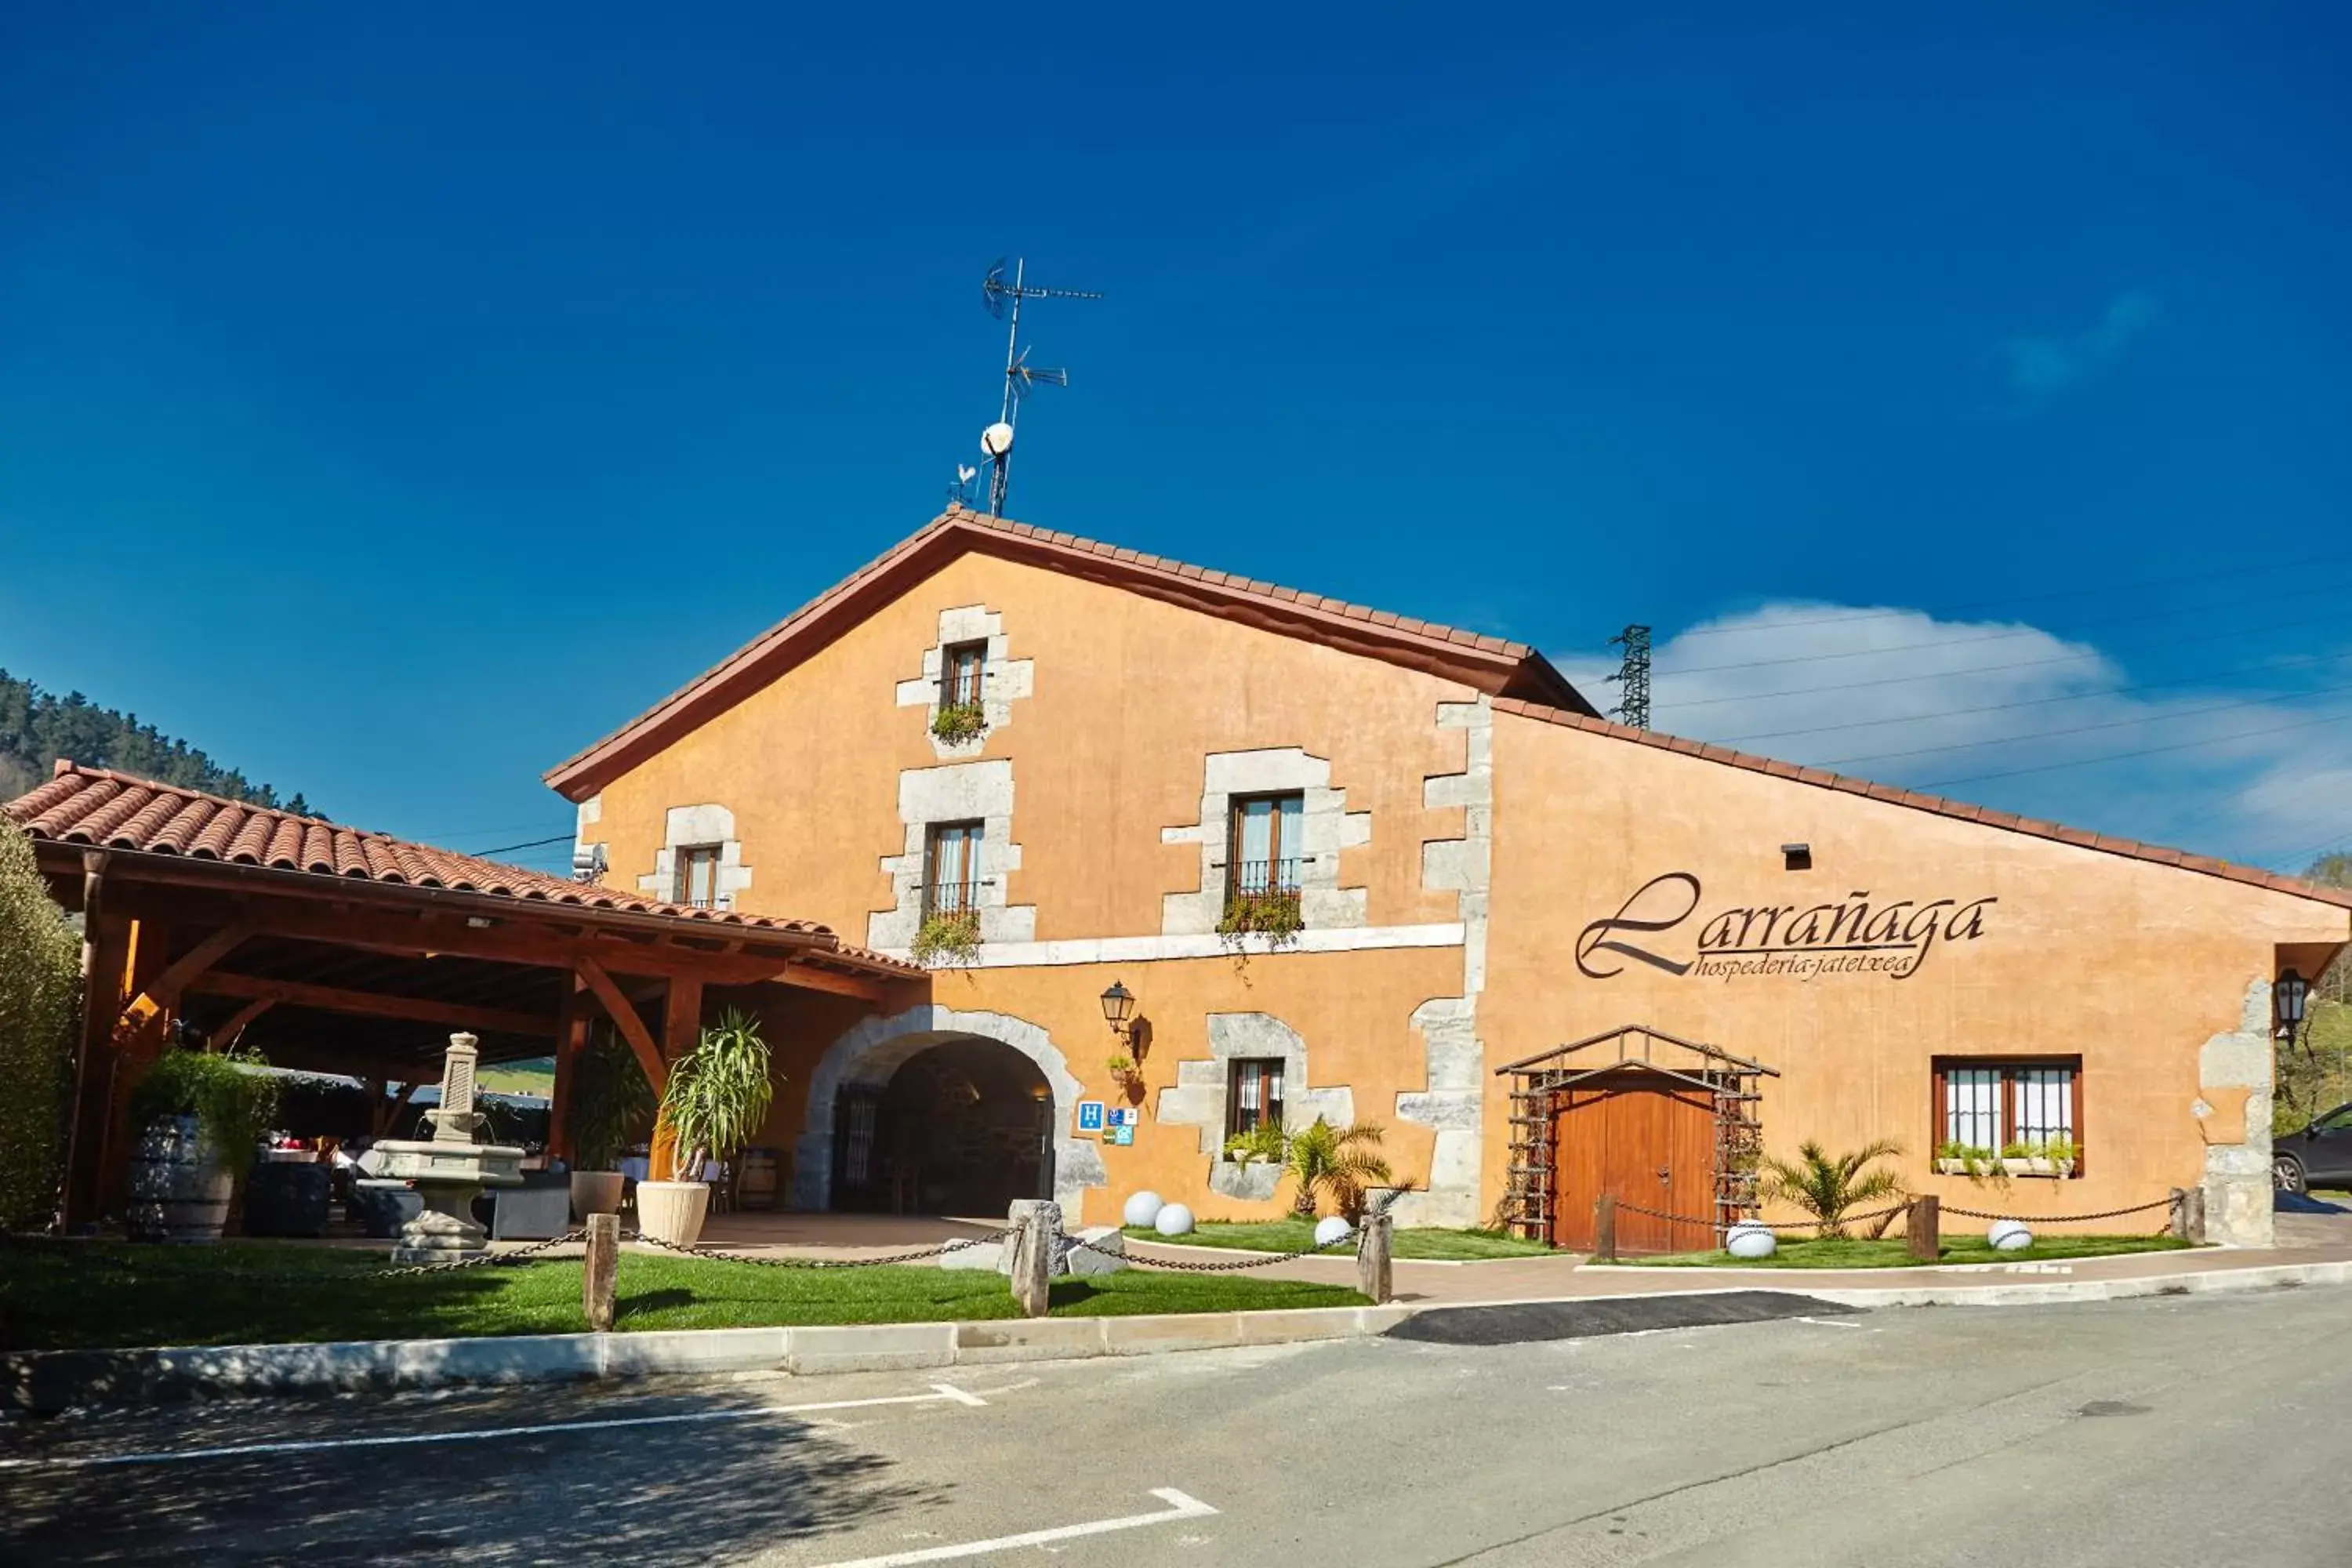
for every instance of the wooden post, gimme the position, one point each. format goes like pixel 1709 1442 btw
pixel 601 1270
pixel 1924 1228
pixel 571 1040
pixel 1372 1272
pixel 1604 1228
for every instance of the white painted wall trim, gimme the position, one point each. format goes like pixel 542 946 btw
pixel 1207 944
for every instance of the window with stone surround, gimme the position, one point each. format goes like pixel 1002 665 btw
pixel 1265 848
pixel 698 875
pixel 961 665
pixel 952 868
pixel 1254 1097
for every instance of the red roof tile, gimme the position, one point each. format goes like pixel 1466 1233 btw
pixel 120 811
pixel 1488 663
pixel 2128 848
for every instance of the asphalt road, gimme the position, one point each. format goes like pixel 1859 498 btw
pixel 2173 1431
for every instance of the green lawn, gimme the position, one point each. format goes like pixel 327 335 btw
pixel 1857 1253
pixel 113 1294
pixel 1292 1235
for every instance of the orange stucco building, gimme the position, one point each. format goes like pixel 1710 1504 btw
pixel 1480 870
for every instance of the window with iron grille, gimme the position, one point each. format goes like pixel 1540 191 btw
pixel 698 877
pixel 951 874
pixel 1995 1102
pixel 1262 851
pixel 959 673
pixel 1254 1095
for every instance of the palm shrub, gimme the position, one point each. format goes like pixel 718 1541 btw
pixel 40 1007
pixel 232 1102
pixel 719 1096
pixel 1828 1189
pixel 610 1102
pixel 1340 1161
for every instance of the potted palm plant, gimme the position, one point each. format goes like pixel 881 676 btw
pixel 1339 1163
pixel 717 1099
pixel 610 1102
pixel 202 1117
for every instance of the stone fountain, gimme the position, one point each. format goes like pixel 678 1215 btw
pixel 450 1168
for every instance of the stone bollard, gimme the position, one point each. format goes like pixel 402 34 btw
pixel 1924 1228
pixel 600 1271
pixel 1038 1226
pixel 1372 1272
pixel 2188 1214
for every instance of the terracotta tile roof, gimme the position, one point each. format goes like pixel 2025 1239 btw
pixel 111 810
pixel 1491 664
pixel 1983 816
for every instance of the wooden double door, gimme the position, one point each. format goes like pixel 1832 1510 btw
pixel 1642 1139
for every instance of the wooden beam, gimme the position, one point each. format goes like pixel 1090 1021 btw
pixel 623 1014
pixel 105 953
pixel 163 991
pixel 681 1018
pixel 225 1038
pixel 372 1005
pixel 808 977
pixel 571 1040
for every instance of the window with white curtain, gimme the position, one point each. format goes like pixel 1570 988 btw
pixel 1992 1103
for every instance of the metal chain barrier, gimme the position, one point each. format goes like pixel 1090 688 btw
pixel 1066 1244
pixel 2163 1203
pixel 916 1256
pixel 535 1253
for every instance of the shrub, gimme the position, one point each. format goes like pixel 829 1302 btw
pixel 1826 1188
pixel 960 721
pixel 1338 1161
pixel 232 1103
pixel 719 1096
pixel 40 1008
pixel 1267 1142
pixel 610 1102
pixel 948 938
pixel 1275 916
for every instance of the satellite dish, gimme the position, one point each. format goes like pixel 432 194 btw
pixel 997 439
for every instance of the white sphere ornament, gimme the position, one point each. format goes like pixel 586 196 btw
pixel 1750 1238
pixel 1143 1208
pixel 1173 1219
pixel 2009 1235
pixel 1332 1228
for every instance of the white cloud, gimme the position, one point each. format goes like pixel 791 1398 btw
pixel 2017 717
pixel 2041 368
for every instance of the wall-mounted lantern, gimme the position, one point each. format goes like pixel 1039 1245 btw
pixel 1119 1006
pixel 2288 998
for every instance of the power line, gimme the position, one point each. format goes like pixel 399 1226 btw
pixel 2105 588
pixel 2296 661
pixel 2236 631
pixel 504 848
pixel 2149 751
pixel 2086 729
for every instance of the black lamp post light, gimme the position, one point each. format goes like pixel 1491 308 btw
pixel 2289 998
pixel 1119 1006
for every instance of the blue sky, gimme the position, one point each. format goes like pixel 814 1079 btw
pixel 362 374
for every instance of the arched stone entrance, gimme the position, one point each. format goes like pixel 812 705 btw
pixel 865 1063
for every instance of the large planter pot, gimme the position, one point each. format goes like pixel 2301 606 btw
pixel 595 1192
pixel 756 1187
pixel 178 1192
pixel 673 1211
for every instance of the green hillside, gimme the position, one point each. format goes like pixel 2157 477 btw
pixel 37 727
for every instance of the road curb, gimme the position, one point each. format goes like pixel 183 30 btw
pixel 47 1381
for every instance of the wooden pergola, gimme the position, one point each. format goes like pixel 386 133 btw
pixel 336 951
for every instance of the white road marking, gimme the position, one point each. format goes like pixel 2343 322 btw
pixel 1828 1323
pixel 1180 1507
pixel 940 1392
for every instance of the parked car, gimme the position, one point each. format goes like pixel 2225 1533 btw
pixel 2318 1156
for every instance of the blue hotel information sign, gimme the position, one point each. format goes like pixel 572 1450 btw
pixel 1090 1116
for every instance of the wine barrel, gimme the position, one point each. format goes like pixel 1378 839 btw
pixel 178 1192
pixel 282 1199
pixel 757 1189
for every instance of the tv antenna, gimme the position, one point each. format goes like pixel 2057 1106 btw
pixel 1632 676
pixel 1021 377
